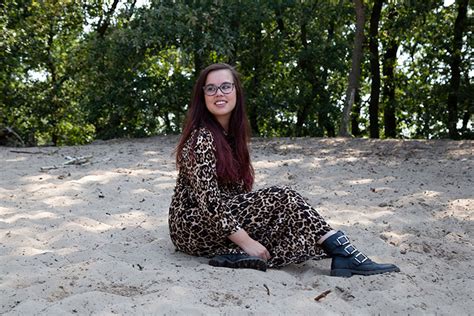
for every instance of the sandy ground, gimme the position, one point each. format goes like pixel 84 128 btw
pixel 93 238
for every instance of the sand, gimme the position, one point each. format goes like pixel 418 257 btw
pixel 92 238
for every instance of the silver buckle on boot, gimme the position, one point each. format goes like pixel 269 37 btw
pixel 364 258
pixel 344 237
pixel 350 249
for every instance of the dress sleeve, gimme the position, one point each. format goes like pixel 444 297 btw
pixel 206 189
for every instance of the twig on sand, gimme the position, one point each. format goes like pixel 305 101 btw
pixel 49 168
pixel 77 160
pixel 322 295
pixel 268 290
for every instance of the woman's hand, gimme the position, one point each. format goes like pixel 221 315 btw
pixel 249 245
pixel 254 248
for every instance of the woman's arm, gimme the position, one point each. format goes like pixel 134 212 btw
pixel 204 184
pixel 249 245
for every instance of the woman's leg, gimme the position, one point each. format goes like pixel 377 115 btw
pixel 281 220
pixel 326 236
pixel 293 231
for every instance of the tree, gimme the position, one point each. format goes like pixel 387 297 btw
pixel 72 71
pixel 39 95
pixel 389 114
pixel 374 69
pixel 354 75
pixel 455 64
pixel 389 87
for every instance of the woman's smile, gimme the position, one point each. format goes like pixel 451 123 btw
pixel 220 103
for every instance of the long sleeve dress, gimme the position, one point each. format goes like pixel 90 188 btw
pixel 204 212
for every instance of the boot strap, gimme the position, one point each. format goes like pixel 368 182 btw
pixel 359 257
pixel 342 240
pixel 350 249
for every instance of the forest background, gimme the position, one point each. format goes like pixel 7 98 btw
pixel 75 71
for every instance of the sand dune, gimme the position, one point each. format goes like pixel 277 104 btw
pixel 92 238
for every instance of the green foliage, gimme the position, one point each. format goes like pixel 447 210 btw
pixel 40 43
pixel 74 71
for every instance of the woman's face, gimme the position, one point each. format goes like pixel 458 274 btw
pixel 222 103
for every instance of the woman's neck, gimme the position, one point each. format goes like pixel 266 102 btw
pixel 224 123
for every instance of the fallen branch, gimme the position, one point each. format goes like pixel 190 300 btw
pixel 77 160
pixel 71 161
pixel 322 295
pixel 29 152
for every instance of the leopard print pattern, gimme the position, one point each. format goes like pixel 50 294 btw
pixel 203 212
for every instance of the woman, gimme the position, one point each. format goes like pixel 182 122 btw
pixel 213 211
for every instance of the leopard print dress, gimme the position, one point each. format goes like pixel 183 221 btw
pixel 204 212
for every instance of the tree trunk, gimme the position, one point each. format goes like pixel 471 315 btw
pixel 307 69
pixel 197 59
pixel 468 109
pixel 324 121
pixel 252 105
pixel 356 115
pixel 104 25
pixel 389 62
pixel 374 69
pixel 455 64
pixel 354 75
pixel 53 93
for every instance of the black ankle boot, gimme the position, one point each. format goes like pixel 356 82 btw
pixel 347 260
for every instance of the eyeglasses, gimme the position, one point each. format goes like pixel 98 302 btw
pixel 211 89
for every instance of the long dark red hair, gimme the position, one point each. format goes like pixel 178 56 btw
pixel 233 162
